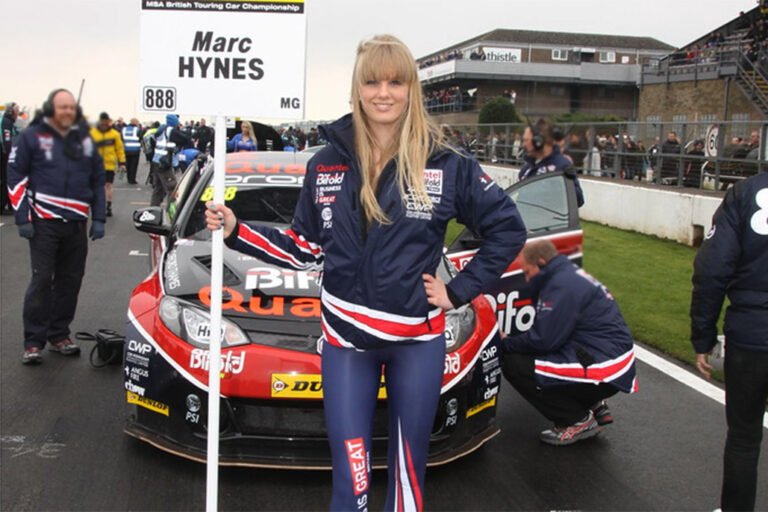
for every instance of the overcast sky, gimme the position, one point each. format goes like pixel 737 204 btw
pixel 56 43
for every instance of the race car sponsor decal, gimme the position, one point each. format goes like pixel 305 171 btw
pixel 511 308
pixel 310 385
pixel 358 464
pixel 172 278
pixel 452 364
pixel 481 407
pixel 194 405
pixel 136 373
pixel 301 307
pixel 147 403
pixel 132 387
pixel 139 347
pixel 261 180
pixel 231 363
pixel 130 357
pixel 229 194
pixel 264 278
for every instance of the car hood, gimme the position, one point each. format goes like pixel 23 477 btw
pixel 263 299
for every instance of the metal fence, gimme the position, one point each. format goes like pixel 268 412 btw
pixel 709 154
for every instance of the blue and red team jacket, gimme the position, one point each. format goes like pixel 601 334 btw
pixel 733 262
pixel 579 335
pixel 372 290
pixel 55 177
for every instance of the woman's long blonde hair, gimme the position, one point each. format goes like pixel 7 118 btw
pixel 247 124
pixel 384 57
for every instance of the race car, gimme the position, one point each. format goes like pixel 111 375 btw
pixel 271 389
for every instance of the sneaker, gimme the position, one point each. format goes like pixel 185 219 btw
pixel 602 413
pixel 65 347
pixel 109 211
pixel 562 436
pixel 32 355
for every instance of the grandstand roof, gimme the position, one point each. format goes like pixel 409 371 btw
pixel 566 39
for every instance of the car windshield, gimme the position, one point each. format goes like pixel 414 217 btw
pixel 266 205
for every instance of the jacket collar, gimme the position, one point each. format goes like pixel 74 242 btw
pixel 547 271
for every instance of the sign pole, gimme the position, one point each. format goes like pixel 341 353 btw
pixel 214 354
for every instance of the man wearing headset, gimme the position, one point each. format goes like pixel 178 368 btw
pixel 543 155
pixel 55 183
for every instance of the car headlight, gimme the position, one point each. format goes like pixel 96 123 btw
pixel 459 326
pixel 193 324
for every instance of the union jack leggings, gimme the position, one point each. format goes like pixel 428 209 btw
pixel 351 381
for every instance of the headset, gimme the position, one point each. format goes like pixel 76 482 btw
pixel 537 139
pixel 48 107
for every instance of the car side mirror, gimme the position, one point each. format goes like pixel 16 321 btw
pixel 150 220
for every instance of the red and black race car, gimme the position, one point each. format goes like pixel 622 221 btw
pixel 271 388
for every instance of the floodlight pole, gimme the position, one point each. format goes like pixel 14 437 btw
pixel 214 353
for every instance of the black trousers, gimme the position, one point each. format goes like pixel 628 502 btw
pixel 163 183
pixel 564 405
pixel 132 166
pixel 58 252
pixel 746 393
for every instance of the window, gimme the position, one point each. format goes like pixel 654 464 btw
pixel 740 128
pixel 607 56
pixel 542 203
pixel 557 90
pixel 677 125
pixel 559 54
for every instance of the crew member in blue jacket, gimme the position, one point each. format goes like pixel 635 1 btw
pixel 733 261
pixel 55 182
pixel 578 352
pixel 543 156
pixel 373 212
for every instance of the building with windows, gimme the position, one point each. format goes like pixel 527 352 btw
pixel 542 73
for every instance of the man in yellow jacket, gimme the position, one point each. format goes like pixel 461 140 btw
pixel 112 152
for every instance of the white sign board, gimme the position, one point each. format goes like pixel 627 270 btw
pixel 239 57
pixel 441 69
pixel 497 54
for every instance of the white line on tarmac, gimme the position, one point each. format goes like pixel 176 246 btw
pixel 137 253
pixel 684 376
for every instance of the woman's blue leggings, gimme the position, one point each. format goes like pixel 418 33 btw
pixel 351 380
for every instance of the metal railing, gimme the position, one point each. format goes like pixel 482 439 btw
pixel 635 150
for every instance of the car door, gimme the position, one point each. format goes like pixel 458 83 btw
pixel 547 204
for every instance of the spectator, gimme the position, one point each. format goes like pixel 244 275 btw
pixel 56 179
pixel 112 152
pixel 205 136
pixel 578 329
pixel 753 149
pixel 131 135
pixel 670 158
pixel 170 139
pixel 243 141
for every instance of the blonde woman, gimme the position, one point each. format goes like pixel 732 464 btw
pixel 243 141
pixel 373 213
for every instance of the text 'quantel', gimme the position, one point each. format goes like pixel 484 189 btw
pixel 221 67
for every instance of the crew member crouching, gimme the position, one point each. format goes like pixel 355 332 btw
pixel 578 352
